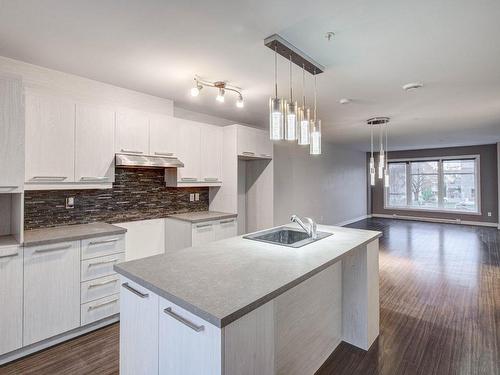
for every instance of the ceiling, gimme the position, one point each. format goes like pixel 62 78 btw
pixel 157 46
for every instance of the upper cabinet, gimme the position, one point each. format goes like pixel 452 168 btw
pixel 211 153
pixel 163 135
pixel 50 139
pixel 11 135
pixel 189 151
pixel 132 132
pixel 253 143
pixel 94 152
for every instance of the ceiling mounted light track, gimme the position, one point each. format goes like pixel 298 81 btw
pixel 221 86
pixel 288 120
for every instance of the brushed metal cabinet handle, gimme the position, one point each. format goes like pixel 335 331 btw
pixel 189 179
pixel 211 179
pixel 227 221
pixel 92 178
pixel 135 291
pixel 9 255
pixel 183 320
pixel 132 151
pixel 203 225
pixel 53 249
pixel 102 262
pixel 49 178
pixel 93 307
pixel 164 153
pixel 103 241
pixel 248 153
pixel 102 284
pixel 9 187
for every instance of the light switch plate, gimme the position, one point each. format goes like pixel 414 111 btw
pixel 196 196
pixel 191 197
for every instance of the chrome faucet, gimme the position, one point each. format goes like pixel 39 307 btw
pixel 311 230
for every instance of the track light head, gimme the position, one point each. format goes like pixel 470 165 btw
pixel 220 95
pixel 239 102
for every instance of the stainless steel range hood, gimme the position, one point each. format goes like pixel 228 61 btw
pixel 147 161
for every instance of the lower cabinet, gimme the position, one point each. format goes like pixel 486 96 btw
pixel 51 290
pixel 11 298
pixel 138 330
pixel 188 345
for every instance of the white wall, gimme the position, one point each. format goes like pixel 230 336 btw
pixel 83 89
pixel 330 188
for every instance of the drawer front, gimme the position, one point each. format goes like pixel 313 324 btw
pixel 99 267
pixel 100 309
pixel 101 246
pixel 203 233
pixel 99 288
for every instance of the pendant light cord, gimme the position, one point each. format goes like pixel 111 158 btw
pixel 276 71
pixel 315 88
pixel 371 140
pixel 304 86
pixel 291 83
pixel 386 145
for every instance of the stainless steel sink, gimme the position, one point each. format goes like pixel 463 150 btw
pixel 286 236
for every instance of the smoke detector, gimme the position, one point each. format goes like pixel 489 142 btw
pixel 413 86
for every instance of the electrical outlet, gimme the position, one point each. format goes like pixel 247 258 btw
pixel 489 213
pixel 191 197
pixel 196 196
pixel 70 202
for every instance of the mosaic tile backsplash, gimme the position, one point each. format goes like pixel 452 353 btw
pixel 137 194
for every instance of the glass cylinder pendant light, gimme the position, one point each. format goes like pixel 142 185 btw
pixel 276 107
pixel 372 160
pixel 386 171
pixel 291 113
pixel 315 125
pixel 304 115
pixel 381 161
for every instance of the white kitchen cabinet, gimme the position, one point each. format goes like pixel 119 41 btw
pixel 226 229
pixel 11 135
pixel 50 139
pixel 189 151
pixel 94 152
pixel 138 330
pixel 188 344
pixel 11 298
pixel 203 233
pixel 211 153
pixel 132 132
pixel 164 135
pixel 246 141
pixel 264 146
pixel 144 238
pixel 51 290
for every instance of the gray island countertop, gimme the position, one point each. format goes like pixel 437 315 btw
pixel 69 233
pixel 200 216
pixel 223 280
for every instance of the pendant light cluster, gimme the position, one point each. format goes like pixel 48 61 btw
pixel 287 119
pixel 383 170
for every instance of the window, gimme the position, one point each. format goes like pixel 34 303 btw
pixel 448 184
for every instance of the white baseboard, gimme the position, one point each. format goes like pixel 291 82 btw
pixel 350 221
pixel 30 349
pixel 437 220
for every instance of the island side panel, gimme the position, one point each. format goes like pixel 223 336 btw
pixel 360 296
pixel 248 343
pixel 308 321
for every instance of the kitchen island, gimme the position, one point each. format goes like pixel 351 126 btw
pixel 239 306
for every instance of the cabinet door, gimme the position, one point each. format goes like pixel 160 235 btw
pixel 189 151
pixel 226 229
pixel 211 153
pixel 138 330
pixel 263 144
pixel 132 132
pixel 51 290
pixel 246 141
pixel 11 135
pixel 188 345
pixel 94 151
pixel 11 298
pixel 50 139
pixel 163 135
pixel 203 233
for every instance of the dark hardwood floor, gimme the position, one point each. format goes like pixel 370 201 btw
pixel 439 302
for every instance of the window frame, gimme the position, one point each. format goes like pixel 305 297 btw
pixel 439 209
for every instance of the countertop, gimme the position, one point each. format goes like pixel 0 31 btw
pixel 69 233
pixel 223 280
pixel 200 216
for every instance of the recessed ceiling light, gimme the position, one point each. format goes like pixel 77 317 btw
pixel 413 86
pixel 345 101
